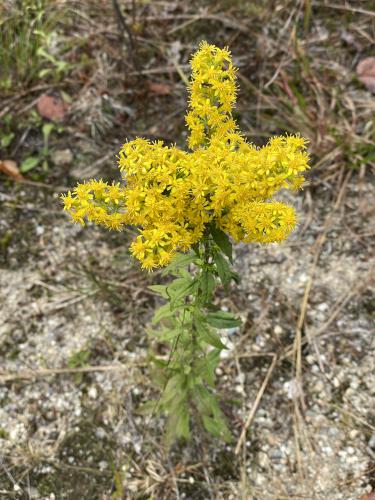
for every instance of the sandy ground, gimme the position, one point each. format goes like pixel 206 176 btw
pixel 74 308
pixel 72 299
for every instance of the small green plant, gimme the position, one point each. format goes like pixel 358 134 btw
pixel 79 359
pixel 6 132
pixel 190 326
pixel 42 157
pixel 28 43
pixel 187 206
pixel 3 434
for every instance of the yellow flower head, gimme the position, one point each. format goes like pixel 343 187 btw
pixel 171 196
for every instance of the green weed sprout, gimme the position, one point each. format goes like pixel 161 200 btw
pixel 187 206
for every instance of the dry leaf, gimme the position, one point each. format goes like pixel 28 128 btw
pixel 9 168
pixel 366 73
pixel 368 496
pixel 53 108
pixel 159 88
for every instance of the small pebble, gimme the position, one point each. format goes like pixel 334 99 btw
pixel 371 442
pixel 277 330
pixel 62 157
pixel 93 392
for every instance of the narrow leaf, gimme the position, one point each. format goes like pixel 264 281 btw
pixel 182 425
pixel 212 426
pixel 159 290
pixel 181 260
pixel 222 319
pixel 30 163
pixel 161 313
pixel 173 389
pixel 211 337
pixel 181 288
pixel 223 269
pixel 207 286
pixel 168 334
pixel 222 241
pixel 206 401
pixel 210 364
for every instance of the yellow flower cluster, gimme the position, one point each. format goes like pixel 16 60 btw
pixel 98 202
pixel 212 97
pixel 172 195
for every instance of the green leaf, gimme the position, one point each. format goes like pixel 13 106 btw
pixel 6 139
pixel 206 402
pixel 212 426
pixel 223 269
pixel 182 425
pixel 180 288
pixel 44 72
pixel 195 248
pixel 174 389
pixel 160 290
pixel 29 163
pixel 66 97
pixel 210 364
pixel 162 312
pixel 213 358
pixel 46 130
pixel 222 319
pixel 181 260
pixel 168 334
pixel 217 427
pixel 210 337
pixel 147 408
pixel 177 425
pixel 159 362
pixel 119 491
pixel 222 241
pixel 206 285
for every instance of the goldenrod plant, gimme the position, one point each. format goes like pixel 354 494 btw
pixel 187 207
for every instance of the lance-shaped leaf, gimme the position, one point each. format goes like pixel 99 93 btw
pixel 223 242
pixel 162 312
pixel 159 290
pixel 223 269
pixel 174 391
pixel 205 332
pixel 217 428
pixel 181 260
pixel 206 286
pixel 178 425
pixel 210 337
pixel 180 288
pixel 168 334
pixel 209 365
pixel 222 319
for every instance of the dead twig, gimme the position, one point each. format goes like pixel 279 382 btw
pixel 122 24
pixel 255 405
pixel 46 372
pixel 347 8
